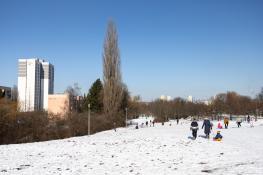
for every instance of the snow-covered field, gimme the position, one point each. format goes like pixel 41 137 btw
pixel 153 150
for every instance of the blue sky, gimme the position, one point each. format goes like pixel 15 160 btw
pixel 176 48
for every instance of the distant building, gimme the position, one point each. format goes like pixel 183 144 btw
pixel 35 82
pixel 190 99
pixel 5 92
pixel 136 98
pixel 206 102
pixel 165 98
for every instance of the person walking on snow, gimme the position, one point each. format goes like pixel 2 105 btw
pixel 207 126
pixel 238 122
pixel 251 122
pixel 219 126
pixel 177 120
pixel 226 122
pixel 248 119
pixel 114 126
pixel 194 128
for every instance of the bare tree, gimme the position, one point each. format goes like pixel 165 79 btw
pixel 112 92
pixel 14 93
pixel 73 92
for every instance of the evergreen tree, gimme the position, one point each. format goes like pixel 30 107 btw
pixel 125 98
pixel 94 97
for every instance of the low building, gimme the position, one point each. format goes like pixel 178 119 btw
pixel 5 92
pixel 58 104
pixel 61 104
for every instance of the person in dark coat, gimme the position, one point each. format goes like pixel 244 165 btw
pixel 207 125
pixel 239 122
pixel 114 126
pixel 177 120
pixel 248 119
pixel 194 128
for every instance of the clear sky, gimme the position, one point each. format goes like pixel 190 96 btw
pixel 176 48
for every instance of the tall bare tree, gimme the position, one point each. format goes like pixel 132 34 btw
pixel 112 92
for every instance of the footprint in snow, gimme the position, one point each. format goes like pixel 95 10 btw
pixel 202 163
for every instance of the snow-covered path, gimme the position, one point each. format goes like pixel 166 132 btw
pixel 153 150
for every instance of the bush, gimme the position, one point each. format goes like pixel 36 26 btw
pixel 22 127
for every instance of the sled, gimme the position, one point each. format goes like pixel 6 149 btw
pixel 218 140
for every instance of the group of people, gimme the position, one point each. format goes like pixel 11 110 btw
pixel 250 120
pixel 207 125
pixel 146 124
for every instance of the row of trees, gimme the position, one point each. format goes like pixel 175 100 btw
pixel 223 103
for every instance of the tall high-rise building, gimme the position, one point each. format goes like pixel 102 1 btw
pixel 47 83
pixel 35 82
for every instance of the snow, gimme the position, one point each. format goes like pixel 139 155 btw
pixel 149 150
pixel 141 120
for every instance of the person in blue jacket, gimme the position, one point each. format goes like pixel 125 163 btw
pixel 207 125
pixel 218 136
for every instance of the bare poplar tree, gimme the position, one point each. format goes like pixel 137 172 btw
pixel 112 90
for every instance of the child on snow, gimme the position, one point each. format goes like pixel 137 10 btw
pixel 219 126
pixel 218 136
pixel 251 122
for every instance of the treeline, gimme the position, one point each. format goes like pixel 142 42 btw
pixel 223 103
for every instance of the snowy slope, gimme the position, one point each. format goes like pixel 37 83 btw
pixel 153 150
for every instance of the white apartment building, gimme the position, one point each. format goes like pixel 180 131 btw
pixel 165 98
pixel 47 83
pixel 35 82
pixel 190 99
